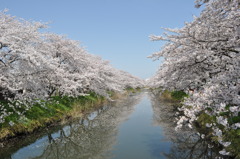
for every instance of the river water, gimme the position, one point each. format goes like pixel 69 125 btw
pixel 139 126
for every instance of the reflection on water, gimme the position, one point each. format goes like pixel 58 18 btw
pixel 187 143
pixel 90 137
pixel 138 138
pixel 139 126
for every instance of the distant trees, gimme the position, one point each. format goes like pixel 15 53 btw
pixel 204 56
pixel 38 65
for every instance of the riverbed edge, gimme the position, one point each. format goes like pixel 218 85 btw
pixel 202 121
pixel 77 109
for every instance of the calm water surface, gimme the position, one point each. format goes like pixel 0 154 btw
pixel 137 127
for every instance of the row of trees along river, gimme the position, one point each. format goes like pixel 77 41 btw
pixel 45 78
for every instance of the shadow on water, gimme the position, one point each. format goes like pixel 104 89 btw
pixel 139 126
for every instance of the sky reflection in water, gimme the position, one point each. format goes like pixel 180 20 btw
pixel 138 127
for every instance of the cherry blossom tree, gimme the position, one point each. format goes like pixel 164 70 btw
pixel 204 57
pixel 203 49
pixel 37 65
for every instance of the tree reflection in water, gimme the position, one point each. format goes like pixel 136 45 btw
pixel 90 137
pixel 95 136
pixel 186 143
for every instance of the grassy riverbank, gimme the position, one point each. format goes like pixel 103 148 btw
pixel 55 110
pixel 227 136
pixel 133 90
pixel 173 96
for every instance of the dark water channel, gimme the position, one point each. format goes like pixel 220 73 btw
pixel 137 127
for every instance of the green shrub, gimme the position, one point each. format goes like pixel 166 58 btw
pixel 179 95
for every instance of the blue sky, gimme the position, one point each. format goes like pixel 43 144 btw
pixel 116 30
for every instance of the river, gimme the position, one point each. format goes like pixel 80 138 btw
pixel 139 126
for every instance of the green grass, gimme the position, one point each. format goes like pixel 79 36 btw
pixel 178 95
pixel 133 90
pixel 173 96
pixel 54 110
pixel 228 134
